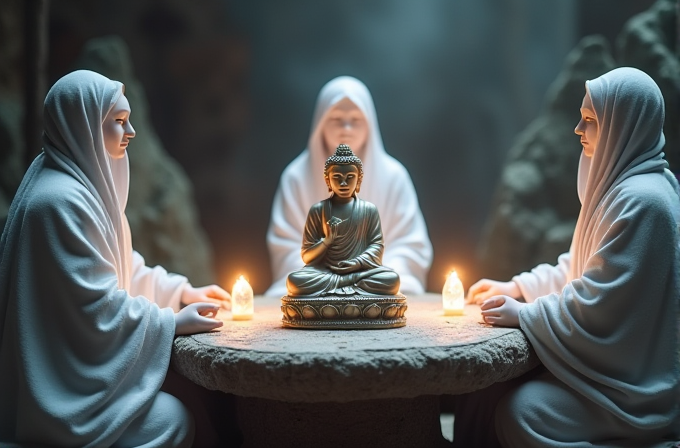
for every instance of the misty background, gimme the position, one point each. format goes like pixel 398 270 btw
pixel 231 86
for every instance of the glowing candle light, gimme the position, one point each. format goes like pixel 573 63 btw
pixel 452 296
pixel 242 300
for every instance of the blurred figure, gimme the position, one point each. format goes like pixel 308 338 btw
pixel 345 114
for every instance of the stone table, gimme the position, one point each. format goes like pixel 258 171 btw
pixel 298 387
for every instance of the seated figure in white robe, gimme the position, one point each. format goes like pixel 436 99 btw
pixel 345 114
pixel 86 328
pixel 604 320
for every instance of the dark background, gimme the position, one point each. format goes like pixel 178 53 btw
pixel 232 86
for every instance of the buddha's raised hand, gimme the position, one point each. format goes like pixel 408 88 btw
pixel 331 231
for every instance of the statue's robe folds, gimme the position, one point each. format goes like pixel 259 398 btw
pixel 359 238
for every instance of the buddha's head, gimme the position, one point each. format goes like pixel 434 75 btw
pixel 343 172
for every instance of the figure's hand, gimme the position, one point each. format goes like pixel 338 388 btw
pixel 486 288
pixel 346 267
pixel 197 318
pixel 331 233
pixel 501 310
pixel 210 294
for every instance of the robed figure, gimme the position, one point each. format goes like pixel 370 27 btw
pixel 604 320
pixel 345 114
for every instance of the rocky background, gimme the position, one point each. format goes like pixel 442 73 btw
pixel 230 87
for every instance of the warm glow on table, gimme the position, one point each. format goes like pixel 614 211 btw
pixel 453 296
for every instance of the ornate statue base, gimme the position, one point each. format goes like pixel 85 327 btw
pixel 335 312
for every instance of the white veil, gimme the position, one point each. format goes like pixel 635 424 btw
pixel 73 140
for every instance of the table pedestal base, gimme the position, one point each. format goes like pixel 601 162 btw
pixel 397 422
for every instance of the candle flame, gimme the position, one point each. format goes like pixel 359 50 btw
pixel 241 283
pixel 452 295
pixel 242 300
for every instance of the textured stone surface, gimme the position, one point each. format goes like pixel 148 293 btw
pixel 432 355
pixel 649 41
pixel 161 209
pixel 536 203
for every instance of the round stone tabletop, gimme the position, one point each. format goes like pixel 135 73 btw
pixel 432 355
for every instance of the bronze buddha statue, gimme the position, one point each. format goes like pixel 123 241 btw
pixel 342 249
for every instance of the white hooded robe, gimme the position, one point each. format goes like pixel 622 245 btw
pixel 386 184
pixel 83 347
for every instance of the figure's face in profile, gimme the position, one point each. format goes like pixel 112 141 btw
pixel 588 127
pixel 345 123
pixel 343 180
pixel 117 128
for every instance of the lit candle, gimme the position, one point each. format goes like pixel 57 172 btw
pixel 452 296
pixel 242 300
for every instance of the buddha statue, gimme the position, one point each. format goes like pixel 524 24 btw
pixel 342 244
